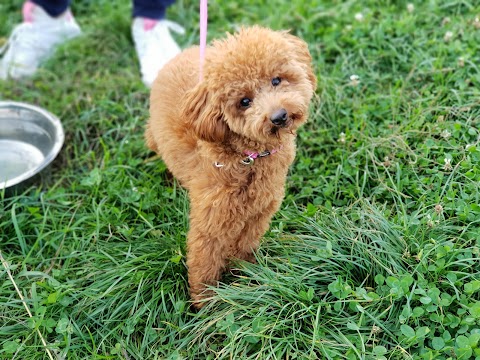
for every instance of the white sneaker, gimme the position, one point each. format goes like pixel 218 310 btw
pixel 33 41
pixel 155 47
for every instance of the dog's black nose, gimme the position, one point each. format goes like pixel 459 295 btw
pixel 279 117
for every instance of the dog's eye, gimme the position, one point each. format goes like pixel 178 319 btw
pixel 245 102
pixel 276 81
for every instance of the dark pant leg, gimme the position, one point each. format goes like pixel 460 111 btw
pixel 53 7
pixel 152 9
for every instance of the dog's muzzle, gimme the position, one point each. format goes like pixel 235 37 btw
pixel 279 117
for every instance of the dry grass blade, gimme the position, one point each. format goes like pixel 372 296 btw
pixel 7 269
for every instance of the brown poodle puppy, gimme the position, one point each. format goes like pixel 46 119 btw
pixel 230 139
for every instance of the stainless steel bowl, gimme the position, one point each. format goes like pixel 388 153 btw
pixel 30 138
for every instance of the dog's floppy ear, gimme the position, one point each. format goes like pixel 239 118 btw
pixel 204 115
pixel 301 53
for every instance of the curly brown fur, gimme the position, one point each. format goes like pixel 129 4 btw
pixel 194 125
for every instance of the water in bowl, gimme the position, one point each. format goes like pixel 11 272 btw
pixel 17 158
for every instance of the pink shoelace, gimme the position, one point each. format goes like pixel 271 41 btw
pixel 27 11
pixel 149 24
pixel 28 8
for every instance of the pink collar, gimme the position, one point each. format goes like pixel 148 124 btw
pixel 251 155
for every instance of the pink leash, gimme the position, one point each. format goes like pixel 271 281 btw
pixel 203 33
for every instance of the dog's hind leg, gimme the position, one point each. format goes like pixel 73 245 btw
pixel 249 239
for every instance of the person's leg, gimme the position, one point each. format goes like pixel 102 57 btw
pixel 46 24
pixel 151 9
pixel 154 44
pixel 53 8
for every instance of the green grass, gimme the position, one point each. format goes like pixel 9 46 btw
pixel 374 254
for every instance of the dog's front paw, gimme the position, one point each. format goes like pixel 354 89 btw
pixel 200 297
pixel 247 256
